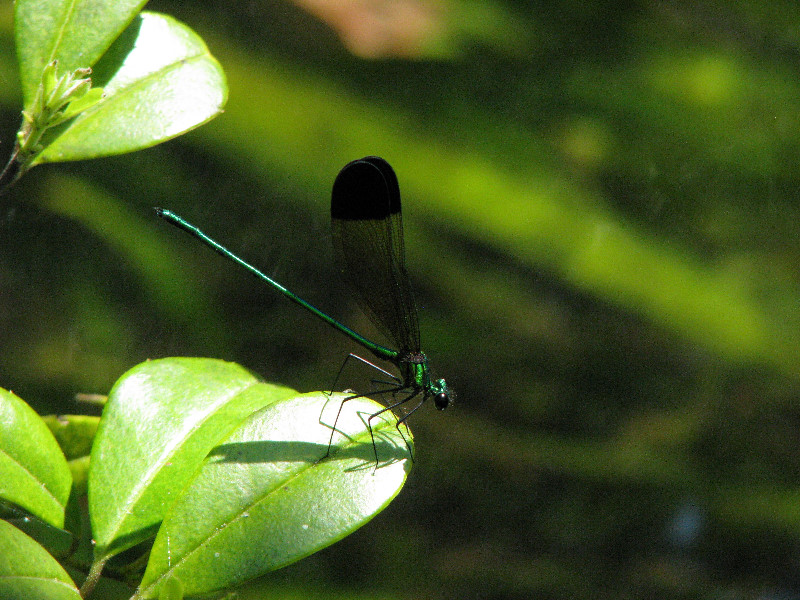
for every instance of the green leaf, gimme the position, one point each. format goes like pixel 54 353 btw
pixel 74 433
pixel 268 496
pixel 33 472
pixel 82 101
pixel 57 542
pixel 159 81
pixel 28 571
pixel 74 32
pixel 172 589
pixel 161 419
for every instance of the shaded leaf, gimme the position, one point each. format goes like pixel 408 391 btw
pixel 74 433
pixel 57 542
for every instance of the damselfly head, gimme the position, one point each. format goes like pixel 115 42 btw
pixel 441 398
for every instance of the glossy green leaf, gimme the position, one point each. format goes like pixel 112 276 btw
pixel 161 419
pixel 159 81
pixel 33 472
pixel 268 496
pixel 28 571
pixel 171 589
pixel 74 32
pixel 57 542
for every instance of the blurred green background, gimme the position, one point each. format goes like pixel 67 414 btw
pixel 601 210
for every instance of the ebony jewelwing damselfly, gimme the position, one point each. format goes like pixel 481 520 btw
pixel 367 231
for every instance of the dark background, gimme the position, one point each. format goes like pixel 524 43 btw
pixel 601 210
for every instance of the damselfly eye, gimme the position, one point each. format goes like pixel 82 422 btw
pixel 441 400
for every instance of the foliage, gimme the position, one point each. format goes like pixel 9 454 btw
pixel 601 220
pixel 153 79
pixel 233 476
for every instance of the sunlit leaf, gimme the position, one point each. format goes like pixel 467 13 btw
pixel 28 571
pixel 159 81
pixel 33 472
pixel 161 419
pixel 76 33
pixel 269 494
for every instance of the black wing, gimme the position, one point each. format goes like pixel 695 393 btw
pixel 367 229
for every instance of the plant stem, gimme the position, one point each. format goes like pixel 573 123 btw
pixel 92 578
pixel 11 172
